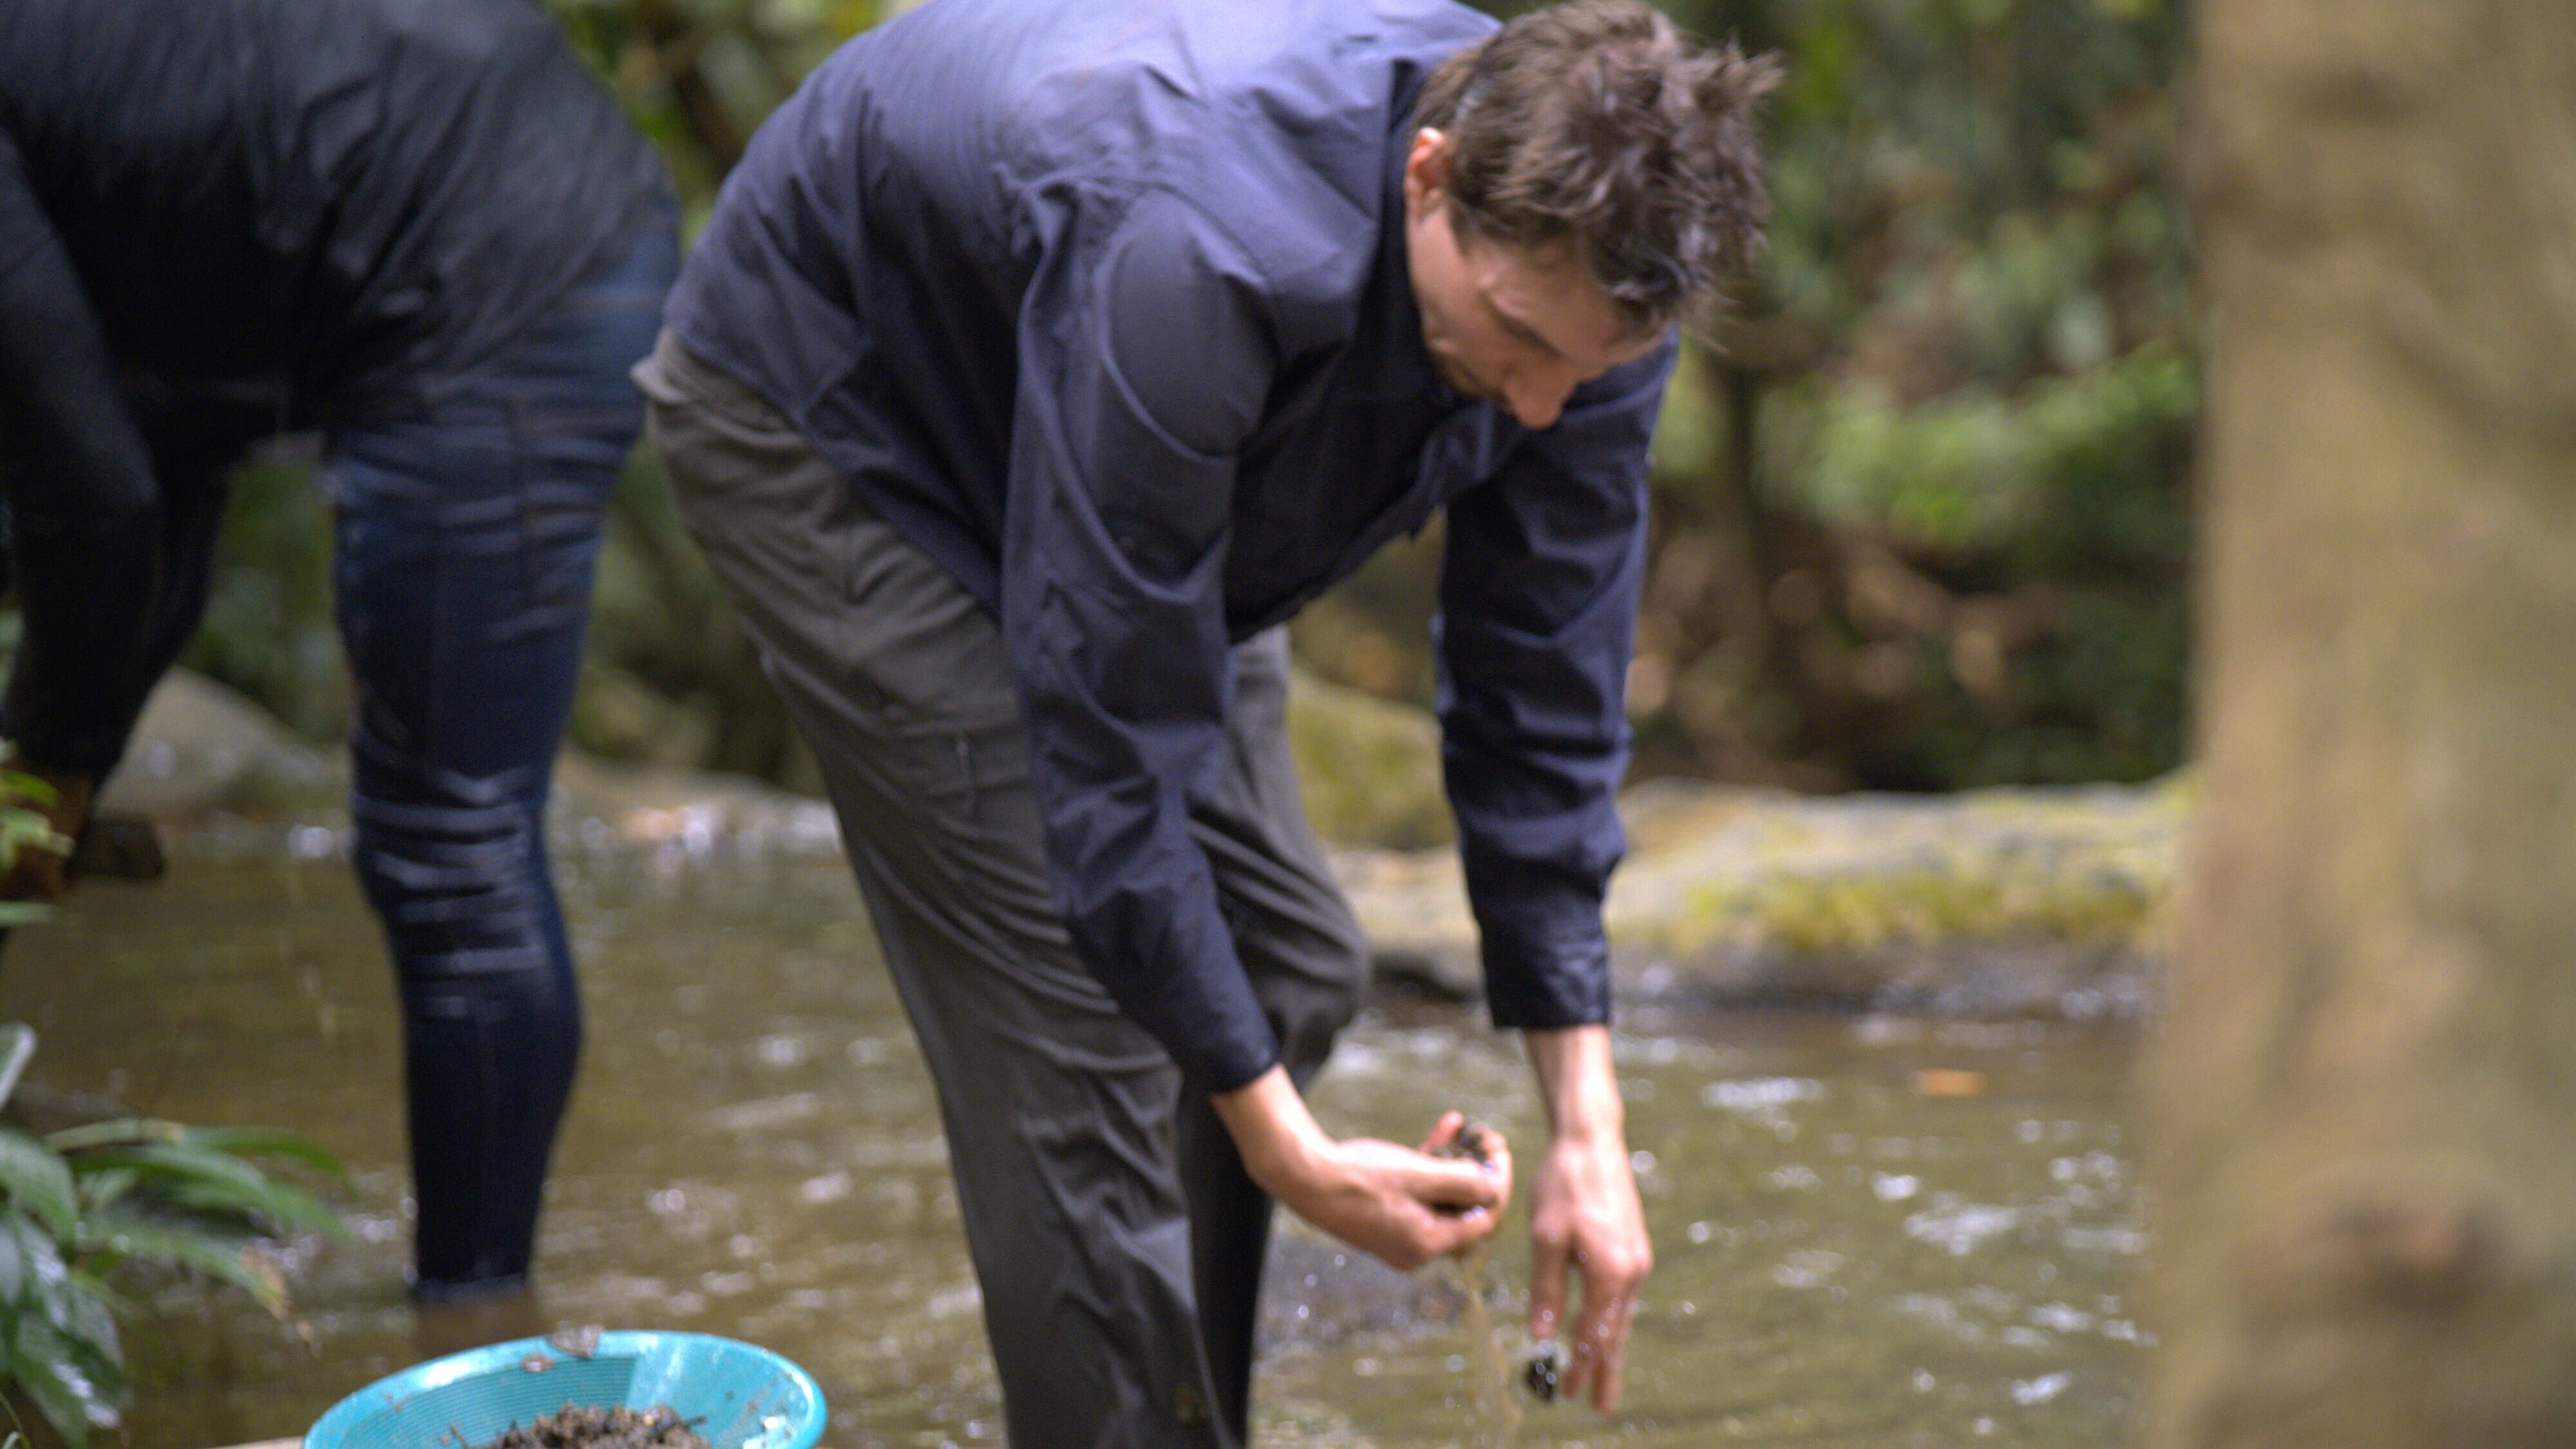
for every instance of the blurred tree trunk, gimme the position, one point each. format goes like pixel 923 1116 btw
pixel 2362 1096
pixel 1752 348
pixel 1747 610
pixel 676 42
pixel 702 651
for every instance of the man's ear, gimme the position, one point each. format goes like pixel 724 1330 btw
pixel 1426 166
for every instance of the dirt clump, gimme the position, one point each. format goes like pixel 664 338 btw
pixel 575 1427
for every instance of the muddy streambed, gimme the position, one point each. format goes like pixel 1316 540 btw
pixel 1870 1231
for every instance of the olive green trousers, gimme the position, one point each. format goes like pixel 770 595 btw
pixel 1116 1235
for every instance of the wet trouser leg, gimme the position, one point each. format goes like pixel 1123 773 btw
pixel 1115 1234
pixel 466 535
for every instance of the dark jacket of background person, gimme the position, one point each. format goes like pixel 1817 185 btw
pixel 1106 309
pixel 321 210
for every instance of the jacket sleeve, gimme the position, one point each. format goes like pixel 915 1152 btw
pixel 84 531
pixel 1538 610
pixel 1144 362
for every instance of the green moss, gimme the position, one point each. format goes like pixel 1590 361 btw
pixel 1371 769
pixel 1851 914
pixel 1995 866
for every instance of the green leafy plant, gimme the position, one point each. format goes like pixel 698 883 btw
pixel 79 1205
pixel 23 799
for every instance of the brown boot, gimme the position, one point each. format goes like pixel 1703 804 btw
pixel 115 846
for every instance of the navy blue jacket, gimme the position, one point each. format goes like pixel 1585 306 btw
pixel 1105 307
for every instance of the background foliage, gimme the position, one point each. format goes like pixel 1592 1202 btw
pixel 1921 497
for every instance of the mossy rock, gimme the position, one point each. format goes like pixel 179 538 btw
pixel 1371 768
pixel 201 746
pixel 2037 901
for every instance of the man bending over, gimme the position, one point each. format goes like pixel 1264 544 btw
pixel 1039 361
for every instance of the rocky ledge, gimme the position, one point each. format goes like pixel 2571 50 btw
pixel 1996 902
pixel 1993 902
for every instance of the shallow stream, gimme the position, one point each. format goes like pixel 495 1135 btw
pixel 1869 1231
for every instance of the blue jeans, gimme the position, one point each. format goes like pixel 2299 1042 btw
pixel 466 532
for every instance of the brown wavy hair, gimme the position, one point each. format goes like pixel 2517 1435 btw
pixel 1597 124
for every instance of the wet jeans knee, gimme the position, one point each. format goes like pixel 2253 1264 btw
pixel 455 867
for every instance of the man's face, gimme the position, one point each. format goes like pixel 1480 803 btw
pixel 1518 328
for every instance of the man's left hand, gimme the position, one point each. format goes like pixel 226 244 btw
pixel 1584 1214
pixel 42 871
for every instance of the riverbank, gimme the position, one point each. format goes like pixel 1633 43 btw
pixel 2038 902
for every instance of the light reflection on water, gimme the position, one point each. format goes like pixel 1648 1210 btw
pixel 754 1150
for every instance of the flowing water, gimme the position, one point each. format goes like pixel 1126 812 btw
pixel 1868 1231
pixel 1498 1412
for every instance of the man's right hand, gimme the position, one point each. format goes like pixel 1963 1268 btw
pixel 1405 1206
